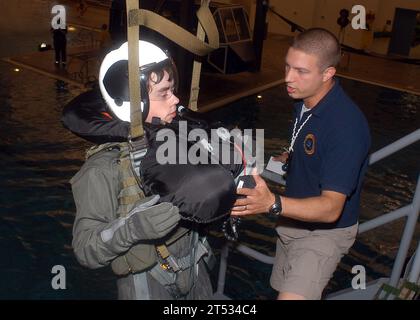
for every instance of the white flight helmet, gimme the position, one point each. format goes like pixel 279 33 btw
pixel 113 77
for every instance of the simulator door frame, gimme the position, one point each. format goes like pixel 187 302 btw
pixel 403 32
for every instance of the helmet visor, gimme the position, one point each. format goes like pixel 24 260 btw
pixel 116 79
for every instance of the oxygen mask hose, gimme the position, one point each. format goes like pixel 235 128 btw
pixel 189 115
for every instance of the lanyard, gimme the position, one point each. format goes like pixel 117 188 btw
pixel 295 134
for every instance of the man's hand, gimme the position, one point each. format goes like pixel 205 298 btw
pixel 258 200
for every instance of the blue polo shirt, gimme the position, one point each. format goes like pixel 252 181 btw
pixel 330 153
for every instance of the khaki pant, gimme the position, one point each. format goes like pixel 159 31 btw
pixel 306 260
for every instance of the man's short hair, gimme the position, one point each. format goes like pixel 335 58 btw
pixel 319 42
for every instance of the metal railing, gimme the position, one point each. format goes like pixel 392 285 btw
pixel 410 211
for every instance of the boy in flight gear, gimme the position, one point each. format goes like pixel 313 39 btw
pixel 155 256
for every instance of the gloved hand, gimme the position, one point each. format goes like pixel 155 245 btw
pixel 146 221
pixel 149 220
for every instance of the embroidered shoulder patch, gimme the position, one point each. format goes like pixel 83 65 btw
pixel 309 144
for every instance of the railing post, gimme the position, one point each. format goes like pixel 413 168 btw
pixel 414 274
pixel 409 229
pixel 394 147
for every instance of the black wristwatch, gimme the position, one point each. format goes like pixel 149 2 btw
pixel 276 208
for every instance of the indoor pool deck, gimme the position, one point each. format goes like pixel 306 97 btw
pixel 83 63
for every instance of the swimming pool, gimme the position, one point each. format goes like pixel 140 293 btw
pixel 39 156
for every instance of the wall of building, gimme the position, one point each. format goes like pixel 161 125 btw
pixel 324 13
pixel 387 10
pixel 319 13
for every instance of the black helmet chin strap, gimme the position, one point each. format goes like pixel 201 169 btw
pixel 157 121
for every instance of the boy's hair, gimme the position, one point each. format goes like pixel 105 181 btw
pixel 167 66
pixel 319 42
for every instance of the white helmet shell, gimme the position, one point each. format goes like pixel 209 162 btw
pixel 148 54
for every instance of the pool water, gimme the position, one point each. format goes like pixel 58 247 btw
pixel 38 157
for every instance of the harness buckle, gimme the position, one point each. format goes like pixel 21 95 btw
pixel 165 266
pixel 168 262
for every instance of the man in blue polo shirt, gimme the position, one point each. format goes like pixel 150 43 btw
pixel 326 163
